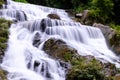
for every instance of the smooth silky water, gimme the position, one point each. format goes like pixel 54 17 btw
pixel 24 61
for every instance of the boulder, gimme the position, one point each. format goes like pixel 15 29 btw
pixel 58 49
pixel 79 15
pixel 36 40
pixel 111 36
pixel 108 32
pixel 83 17
pixel 45 23
pixel 79 67
pixel 21 16
pixel 117 77
pixel 3 74
pixel 53 16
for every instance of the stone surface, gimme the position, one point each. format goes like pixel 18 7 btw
pixel 117 77
pixel 3 75
pixel 36 40
pixel 58 49
pixel 79 67
pixel 53 16
pixel 111 36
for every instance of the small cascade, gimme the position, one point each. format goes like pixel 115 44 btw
pixel 37 12
pixel 24 61
pixel 15 15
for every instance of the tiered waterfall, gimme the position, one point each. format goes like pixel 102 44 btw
pixel 21 55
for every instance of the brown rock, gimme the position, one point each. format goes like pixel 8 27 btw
pixel 83 16
pixel 108 32
pixel 58 49
pixel 3 74
pixel 53 16
pixel 111 36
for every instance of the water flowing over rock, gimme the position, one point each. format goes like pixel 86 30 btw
pixel 108 32
pixel 27 56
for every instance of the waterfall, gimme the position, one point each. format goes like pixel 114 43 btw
pixel 24 61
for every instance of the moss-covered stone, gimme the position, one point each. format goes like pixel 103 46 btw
pixel 82 67
pixel 88 68
pixel 3 75
pixel 59 50
pixel 4 25
pixel 1 3
pixel 53 16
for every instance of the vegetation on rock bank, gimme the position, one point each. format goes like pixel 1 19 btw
pixel 3 75
pixel 4 25
pixel 82 67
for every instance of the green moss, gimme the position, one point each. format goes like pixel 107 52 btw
pixel 67 56
pixel 4 25
pixel 88 69
pixel 23 1
pixel 1 3
pixel 3 39
pixel 116 39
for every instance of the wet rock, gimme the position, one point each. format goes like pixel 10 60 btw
pixel 111 36
pixel 78 67
pixel 88 68
pixel 65 65
pixel 59 50
pixel 117 77
pixel 1 59
pixel 45 23
pixel 6 2
pixel 21 16
pixel 36 64
pixel 78 15
pixel 36 40
pixel 83 17
pixel 54 16
pixel 108 32
pixel 3 74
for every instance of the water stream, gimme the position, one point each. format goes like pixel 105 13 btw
pixel 24 61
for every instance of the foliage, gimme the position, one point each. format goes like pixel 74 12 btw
pixel 116 40
pixel 24 1
pixel 84 69
pixel 1 3
pixel 4 25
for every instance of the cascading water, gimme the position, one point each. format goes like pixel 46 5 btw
pixel 25 61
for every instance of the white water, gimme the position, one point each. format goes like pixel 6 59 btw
pixel 24 61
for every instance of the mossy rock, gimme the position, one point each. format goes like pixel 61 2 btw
pixel 1 3
pixel 84 69
pixel 88 68
pixel 4 26
pixel 59 50
pixel 53 16
pixel 3 75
